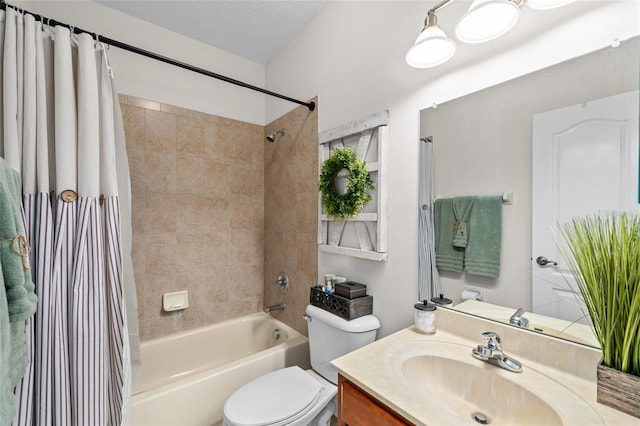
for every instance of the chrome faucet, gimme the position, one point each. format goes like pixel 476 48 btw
pixel 493 354
pixel 278 307
pixel 518 319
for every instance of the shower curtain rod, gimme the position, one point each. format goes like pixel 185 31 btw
pixel 52 22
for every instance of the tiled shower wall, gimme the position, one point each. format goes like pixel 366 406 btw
pixel 291 211
pixel 198 214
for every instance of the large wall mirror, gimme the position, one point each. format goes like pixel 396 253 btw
pixel 486 143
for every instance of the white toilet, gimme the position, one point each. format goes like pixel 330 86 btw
pixel 295 397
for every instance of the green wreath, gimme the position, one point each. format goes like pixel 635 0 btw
pixel 359 182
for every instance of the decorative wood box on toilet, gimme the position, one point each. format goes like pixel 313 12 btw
pixel 341 306
pixel 350 290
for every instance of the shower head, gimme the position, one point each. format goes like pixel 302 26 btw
pixel 271 137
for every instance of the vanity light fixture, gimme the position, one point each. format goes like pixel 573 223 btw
pixel 432 47
pixel 487 19
pixel 484 20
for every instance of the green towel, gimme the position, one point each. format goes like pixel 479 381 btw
pixel 13 358
pixel 482 255
pixel 462 209
pixel 21 298
pixel 17 299
pixel 448 257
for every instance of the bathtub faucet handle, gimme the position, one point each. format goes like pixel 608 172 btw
pixel 282 282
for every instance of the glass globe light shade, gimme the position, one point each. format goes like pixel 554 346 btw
pixel 432 48
pixel 486 20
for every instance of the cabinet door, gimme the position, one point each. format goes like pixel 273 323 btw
pixel 357 408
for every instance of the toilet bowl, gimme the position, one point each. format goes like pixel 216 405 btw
pixel 296 397
pixel 289 396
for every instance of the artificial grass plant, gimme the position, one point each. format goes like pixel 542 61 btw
pixel 603 252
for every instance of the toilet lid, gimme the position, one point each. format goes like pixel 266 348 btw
pixel 283 394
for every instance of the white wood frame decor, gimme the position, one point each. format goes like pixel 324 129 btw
pixel 364 235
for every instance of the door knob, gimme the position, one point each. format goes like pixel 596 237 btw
pixel 543 261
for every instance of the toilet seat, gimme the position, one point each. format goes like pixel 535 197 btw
pixel 275 399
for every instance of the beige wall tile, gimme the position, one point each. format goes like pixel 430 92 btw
pixel 160 131
pixel 290 212
pixel 134 127
pixel 239 148
pixel 138 202
pixel 177 111
pixel 307 256
pixel 150 328
pixel 143 103
pixel 190 135
pixel 160 172
pixel 246 248
pixel 215 215
pixel 216 177
pixel 189 174
pixel 306 206
pixel 210 141
pixel 246 214
pixel 160 254
pixel 241 180
pixel 194 256
pixel 181 211
pixel 205 216
pixel 226 135
pixel 139 271
pixel 217 212
pixel 159 214
pixel 136 169
pixel 199 115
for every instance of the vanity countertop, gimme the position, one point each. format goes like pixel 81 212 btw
pixel 562 373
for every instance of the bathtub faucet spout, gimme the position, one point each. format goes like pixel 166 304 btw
pixel 278 307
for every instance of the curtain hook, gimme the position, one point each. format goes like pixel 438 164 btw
pixel 105 47
pixel 46 28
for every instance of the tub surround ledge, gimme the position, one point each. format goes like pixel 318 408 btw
pixel 561 372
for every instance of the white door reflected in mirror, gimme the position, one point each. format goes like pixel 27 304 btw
pixel 585 160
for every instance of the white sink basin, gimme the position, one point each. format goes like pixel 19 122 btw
pixel 464 388
pixel 455 386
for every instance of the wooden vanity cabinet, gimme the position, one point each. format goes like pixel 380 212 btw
pixel 358 408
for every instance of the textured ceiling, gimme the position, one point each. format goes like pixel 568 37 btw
pixel 254 29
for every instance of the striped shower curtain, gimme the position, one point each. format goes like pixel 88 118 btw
pixel 60 132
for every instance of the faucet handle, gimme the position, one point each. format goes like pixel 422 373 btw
pixel 493 340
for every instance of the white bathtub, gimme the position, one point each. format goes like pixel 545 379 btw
pixel 189 376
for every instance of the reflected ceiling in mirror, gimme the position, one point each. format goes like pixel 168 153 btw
pixel 482 145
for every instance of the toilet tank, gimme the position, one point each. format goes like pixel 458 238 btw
pixel 330 337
